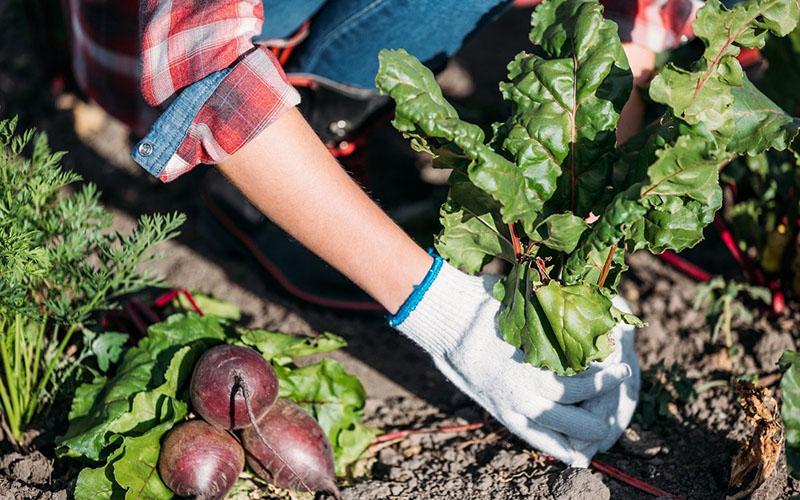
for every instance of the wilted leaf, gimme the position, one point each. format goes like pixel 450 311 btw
pixel 760 451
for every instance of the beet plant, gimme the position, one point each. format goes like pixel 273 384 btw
pixel 762 193
pixel 131 422
pixel 551 193
pixel 234 387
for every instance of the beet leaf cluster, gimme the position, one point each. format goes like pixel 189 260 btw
pixel 550 191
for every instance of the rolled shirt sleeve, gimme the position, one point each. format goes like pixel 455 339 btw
pixel 219 89
pixel 658 25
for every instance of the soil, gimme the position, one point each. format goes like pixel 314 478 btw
pixel 686 452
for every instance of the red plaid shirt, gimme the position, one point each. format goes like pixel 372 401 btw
pixel 133 66
pixel 134 58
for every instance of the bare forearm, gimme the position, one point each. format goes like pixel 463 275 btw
pixel 642 63
pixel 289 175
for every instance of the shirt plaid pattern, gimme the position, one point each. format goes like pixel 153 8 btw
pixel 656 24
pixel 136 57
pixel 135 73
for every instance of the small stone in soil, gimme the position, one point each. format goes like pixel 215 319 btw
pixel 642 443
pixel 579 484
pixel 400 475
pixel 390 456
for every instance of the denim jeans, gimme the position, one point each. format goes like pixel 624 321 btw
pixel 346 35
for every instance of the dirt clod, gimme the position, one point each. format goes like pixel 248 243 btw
pixel 31 469
pixel 579 484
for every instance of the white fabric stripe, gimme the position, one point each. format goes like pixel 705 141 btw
pixel 115 61
pixel 156 58
pixel 200 39
pixel 245 10
pixel 203 133
pixel 175 167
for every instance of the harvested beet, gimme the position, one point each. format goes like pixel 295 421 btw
pixel 221 379
pixel 200 460
pixel 289 449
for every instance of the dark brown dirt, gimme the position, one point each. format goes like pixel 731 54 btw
pixel 687 452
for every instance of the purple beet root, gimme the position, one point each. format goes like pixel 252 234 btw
pixel 200 460
pixel 289 449
pixel 223 376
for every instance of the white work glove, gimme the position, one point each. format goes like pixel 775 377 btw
pixel 453 316
pixel 615 407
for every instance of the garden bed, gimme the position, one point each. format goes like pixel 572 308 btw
pixel 686 452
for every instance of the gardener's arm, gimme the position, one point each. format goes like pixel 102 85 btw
pixel 643 62
pixel 646 28
pixel 291 177
pixel 288 173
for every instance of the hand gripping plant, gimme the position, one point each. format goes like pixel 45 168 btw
pixel 550 192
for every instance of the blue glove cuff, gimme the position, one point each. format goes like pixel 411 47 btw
pixel 418 293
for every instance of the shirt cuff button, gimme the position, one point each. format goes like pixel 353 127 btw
pixel 145 149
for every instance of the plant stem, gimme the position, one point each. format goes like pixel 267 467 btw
pixel 515 241
pixel 445 429
pixel 11 407
pixel 39 344
pixel 711 384
pixel 726 321
pixel 607 266
pixel 49 371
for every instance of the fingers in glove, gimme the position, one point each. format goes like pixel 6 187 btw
pixel 592 383
pixel 616 409
pixel 583 452
pixel 569 420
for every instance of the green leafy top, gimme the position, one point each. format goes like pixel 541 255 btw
pixel 551 193
pixel 117 422
pixel 790 408
pixel 767 184
pixel 59 258
pixel 722 302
